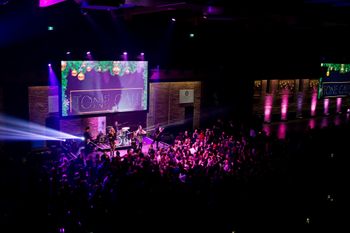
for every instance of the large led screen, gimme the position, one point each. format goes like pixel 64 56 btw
pixel 97 87
pixel 334 81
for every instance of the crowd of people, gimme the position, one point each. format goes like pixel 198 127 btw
pixel 93 183
pixel 222 178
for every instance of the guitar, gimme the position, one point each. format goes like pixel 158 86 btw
pixel 157 134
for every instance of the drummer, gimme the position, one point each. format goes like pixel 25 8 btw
pixel 116 126
pixel 125 131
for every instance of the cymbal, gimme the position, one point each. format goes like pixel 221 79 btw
pixel 120 124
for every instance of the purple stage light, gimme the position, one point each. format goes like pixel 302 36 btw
pixel 68 52
pixel 142 54
pixel 173 19
pixel 49 64
pixel 125 53
pixel 88 53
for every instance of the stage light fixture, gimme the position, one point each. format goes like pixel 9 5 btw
pixel 173 19
pixel 88 53
pixel 68 52
pixel 49 64
pixel 142 54
pixel 125 53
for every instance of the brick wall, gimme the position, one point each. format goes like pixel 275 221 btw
pixel 38 103
pixel 39 113
pixel 164 107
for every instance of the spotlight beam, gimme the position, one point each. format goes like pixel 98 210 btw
pixel 17 129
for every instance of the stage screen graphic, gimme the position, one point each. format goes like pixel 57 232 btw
pixel 97 87
pixel 334 81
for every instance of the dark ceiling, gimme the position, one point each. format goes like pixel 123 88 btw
pixel 269 35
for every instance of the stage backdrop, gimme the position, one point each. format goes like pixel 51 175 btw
pixel 98 87
pixel 42 102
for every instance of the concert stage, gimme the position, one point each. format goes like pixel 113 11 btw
pixel 147 141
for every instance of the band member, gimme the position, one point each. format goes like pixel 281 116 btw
pixel 111 139
pixel 87 141
pixel 116 126
pixel 140 132
pixel 157 134
pixel 133 140
pixel 100 138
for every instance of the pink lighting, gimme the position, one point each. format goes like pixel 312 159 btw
pixel 312 123
pixel 339 100
pixel 125 53
pixel 49 64
pixel 142 54
pixel 46 3
pixel 67 52
pixel 282 130
pixel 267 108
pixel 313 103
pixel 88 53
pixel 267 129
pixel 284 107
pixel 326 106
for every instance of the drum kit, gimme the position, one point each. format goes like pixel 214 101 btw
pixel 123 138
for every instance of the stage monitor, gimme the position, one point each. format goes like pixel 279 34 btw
pixel 334 81
pixel 99 87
